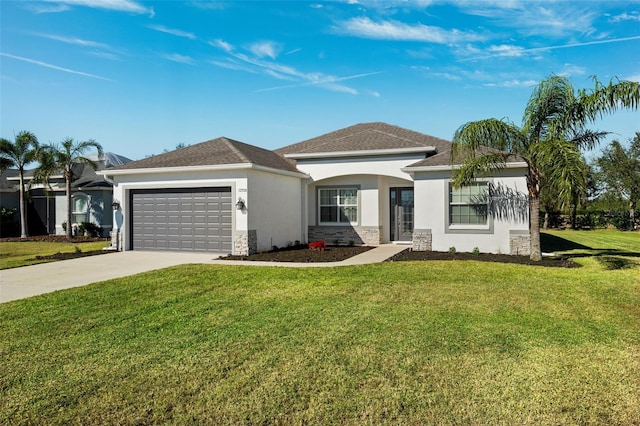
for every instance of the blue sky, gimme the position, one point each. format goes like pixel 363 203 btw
pixel 140 77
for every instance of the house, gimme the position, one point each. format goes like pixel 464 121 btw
pixel 370 183
pixel 91 197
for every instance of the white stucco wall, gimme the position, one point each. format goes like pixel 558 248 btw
pixel 320 169
pixel 431 212
pixel 273 209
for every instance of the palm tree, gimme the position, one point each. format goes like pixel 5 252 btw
pixel 64 157
pixel 550 140
pixel 18 154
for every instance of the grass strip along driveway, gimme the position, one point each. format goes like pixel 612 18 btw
pixel 447 342
pixel 23 253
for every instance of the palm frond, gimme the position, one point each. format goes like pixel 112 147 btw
pixel 481 165
pixel 481 136
pixel 544 115
pixel 563 167
pixel 606 99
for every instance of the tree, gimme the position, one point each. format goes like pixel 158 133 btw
pixel 550 140
pixel 63 157
pixel 619 170
pixel 18 154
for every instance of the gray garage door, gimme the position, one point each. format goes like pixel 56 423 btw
pixel 193 219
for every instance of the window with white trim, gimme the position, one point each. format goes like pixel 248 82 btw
pixel 338 205
pixel 469 204
pixel 80 208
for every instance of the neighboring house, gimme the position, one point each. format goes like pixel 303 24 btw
pixel 91 197
pixel 371 183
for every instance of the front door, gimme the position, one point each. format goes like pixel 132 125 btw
pixel 401 202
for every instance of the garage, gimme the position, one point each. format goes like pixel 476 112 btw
pixel 181 219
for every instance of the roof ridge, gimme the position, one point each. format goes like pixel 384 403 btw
pixel 232 146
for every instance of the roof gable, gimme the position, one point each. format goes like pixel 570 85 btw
pixel 366 137
pixel 216 152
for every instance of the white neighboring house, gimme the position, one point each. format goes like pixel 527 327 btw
pixel 91 197
pixel 370 183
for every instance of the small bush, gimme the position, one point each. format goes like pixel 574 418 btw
pixel 9 224
pixel 476 251
pixel 452 250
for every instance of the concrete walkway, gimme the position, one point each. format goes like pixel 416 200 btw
pixel 27 281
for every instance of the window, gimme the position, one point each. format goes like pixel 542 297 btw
pixel 338 205
pixel 80 208
pixel 468 205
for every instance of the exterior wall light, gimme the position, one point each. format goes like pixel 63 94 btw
pixel 240 204
pixel 115 205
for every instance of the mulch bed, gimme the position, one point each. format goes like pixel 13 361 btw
pixel 53 239
pixel 408 255
pixel 74 255
pixel 302 254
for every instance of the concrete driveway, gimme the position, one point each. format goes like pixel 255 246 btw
pixel 27 281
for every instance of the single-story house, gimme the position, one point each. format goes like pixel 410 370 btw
pixel 370 183
pixel 91 197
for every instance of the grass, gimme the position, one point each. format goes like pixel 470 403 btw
pixel 612 249
pixel 22 253
pixel 396 343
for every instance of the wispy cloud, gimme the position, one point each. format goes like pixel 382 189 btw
pixel 221 44
pixel 512 83
pixel 254 62
pixel 116 5
pixel 263 49
pixel 542 18
pixel 176 57
pixel 325 80
pixel 173 31
pixel 633 16
pixel 504 50
pixel 394 30
pixel 46 8
pixel 54 67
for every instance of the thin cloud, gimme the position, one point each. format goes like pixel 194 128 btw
pixel 517 51
pixel 182 59
pixel 322 80
pixel 221 44
pixel 513 83
pixel 635 78
pixel 39 8
pixel 173 31
pixel 633 16
pixel 546 18
pixel 279 71
pixel 115 5
pixel 54 67
pixel 263 49
pixel 77 41
pixel 395 30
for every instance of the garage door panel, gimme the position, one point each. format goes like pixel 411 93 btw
pixel 198 220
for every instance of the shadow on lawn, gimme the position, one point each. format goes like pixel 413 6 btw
pixel 553 243
pixel 609 258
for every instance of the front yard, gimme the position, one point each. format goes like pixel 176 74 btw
pixel 22 253
pixel 437 342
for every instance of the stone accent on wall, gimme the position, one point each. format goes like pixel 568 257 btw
pixel 246 243
pixel 344 235
pixel 422 240
pixel 519 243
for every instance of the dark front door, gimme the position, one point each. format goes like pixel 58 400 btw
pixel 401 203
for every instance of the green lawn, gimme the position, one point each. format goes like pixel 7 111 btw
pixel 441 342
pixel 22 253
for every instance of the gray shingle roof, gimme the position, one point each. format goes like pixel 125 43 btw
pixel 444 159
pixel 216 152
pixel 365 137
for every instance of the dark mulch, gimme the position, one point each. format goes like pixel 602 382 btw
pixel 408 255
pixel 337 253
pixel 53 239
pixel 302 254
pixel 74 255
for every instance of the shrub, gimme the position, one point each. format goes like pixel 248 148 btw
pixel 452 250
pixel 476 251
